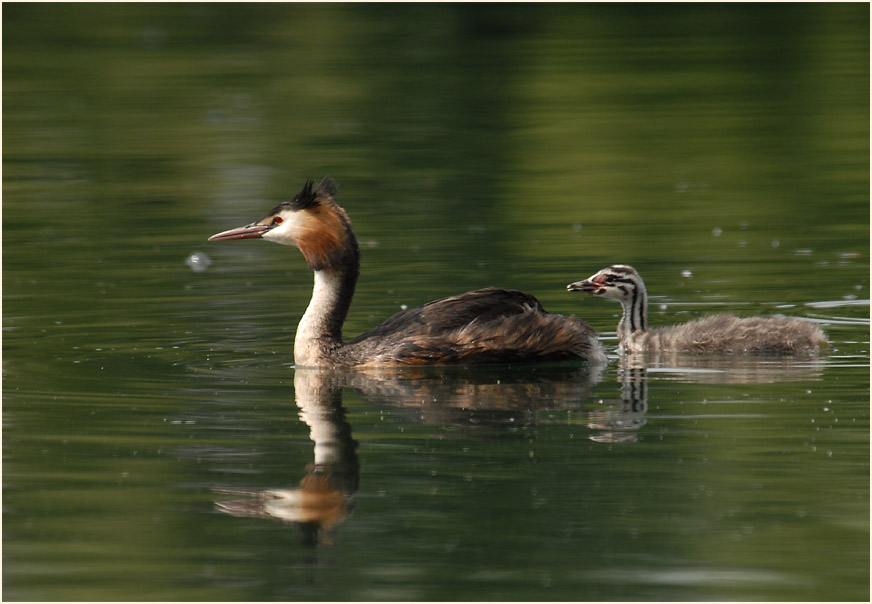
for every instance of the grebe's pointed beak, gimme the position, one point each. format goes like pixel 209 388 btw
pixel 252 231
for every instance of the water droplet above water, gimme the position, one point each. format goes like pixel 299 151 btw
pixel 198 262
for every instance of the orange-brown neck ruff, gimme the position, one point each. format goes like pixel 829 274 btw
pixel 325 239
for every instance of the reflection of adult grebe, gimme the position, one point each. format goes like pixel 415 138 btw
pixel 721 333
pixel 502 398
pixel 487 402
pixel 478 327
pixel 324 497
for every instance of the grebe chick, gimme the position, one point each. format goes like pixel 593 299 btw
pixel 486 326
pixel 721 333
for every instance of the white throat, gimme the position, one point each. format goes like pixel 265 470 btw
pixel 316 333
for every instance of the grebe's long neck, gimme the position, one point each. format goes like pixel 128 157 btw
pixel 319 333
pixel 635 305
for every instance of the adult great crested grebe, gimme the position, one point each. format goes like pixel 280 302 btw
pixel 721 333
pixel 486 326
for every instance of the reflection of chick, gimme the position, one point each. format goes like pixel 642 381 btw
pixel 619 423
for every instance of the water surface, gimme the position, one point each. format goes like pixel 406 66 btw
pixel 158 442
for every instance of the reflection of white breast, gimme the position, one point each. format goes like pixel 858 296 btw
pixel 325 435
pixel 313 391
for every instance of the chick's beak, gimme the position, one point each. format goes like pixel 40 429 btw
pixel 252 231
pixel 588 285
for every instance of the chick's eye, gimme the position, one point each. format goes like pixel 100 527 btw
pixel 277 220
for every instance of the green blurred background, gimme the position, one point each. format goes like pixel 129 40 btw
pixel 721 149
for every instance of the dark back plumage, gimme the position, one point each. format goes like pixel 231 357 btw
pixel 486 326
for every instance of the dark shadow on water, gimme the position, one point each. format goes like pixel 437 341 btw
pixel 484 403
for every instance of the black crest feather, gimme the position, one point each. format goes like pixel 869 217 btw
pixel 309 195
pixel 327 187
pixel 306 198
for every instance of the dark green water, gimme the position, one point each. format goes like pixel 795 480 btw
pixel 722 150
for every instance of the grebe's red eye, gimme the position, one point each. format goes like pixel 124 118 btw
pixel 277 220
